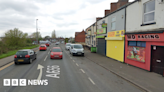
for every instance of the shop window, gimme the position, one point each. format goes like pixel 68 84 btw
pixel 137 43
pixel 149 12
pixel 132 43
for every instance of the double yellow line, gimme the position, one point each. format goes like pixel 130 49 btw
pixel 10 64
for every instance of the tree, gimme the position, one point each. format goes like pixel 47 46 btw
pixel 53 34
pixel 35 34
pixel 15 37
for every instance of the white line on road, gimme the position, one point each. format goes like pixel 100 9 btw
pixel 77 64
pixel 73 60
pixel 71 57
pixel 82 70
pixel 91 80
pixel 45 58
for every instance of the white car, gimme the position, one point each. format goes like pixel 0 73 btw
pixel 77 49
pixel 57 43
pixel 67 46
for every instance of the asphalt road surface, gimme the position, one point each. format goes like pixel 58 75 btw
pixel 70 74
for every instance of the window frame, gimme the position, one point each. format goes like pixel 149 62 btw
pixel 137 43
pixel 147 22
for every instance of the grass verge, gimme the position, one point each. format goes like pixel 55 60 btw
pixel 10 53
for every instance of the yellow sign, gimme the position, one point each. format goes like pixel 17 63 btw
pixel 119 33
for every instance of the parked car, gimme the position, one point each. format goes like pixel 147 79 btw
pixel 25 56
pixel 43 47
pixel 56 52
pixel 57 43
pixel 67 46
pixel 77 49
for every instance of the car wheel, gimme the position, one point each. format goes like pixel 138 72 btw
pixel 30 61
pixel 16 63
pixel 36 57
pixel 72 54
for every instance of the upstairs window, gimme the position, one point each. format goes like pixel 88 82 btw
pixel 113 24
pixel 149 12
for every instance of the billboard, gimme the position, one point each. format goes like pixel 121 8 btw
pixel 101 31
pixel 120 33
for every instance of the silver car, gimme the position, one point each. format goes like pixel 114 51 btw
pixel 67 46
pixel 77 49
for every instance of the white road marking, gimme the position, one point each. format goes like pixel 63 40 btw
pixel 40 74
pixel 91 80
pixel 45 58
pixel 77 64
pixel 73 61
pixel 82 70
pixel 71 57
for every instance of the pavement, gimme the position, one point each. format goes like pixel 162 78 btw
pixel 91 73
pixel 148 81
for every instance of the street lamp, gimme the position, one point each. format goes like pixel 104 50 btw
pixel 36 32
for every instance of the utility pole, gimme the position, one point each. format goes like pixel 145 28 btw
pixel 36 32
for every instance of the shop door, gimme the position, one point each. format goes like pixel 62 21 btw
pixel 101 46
pixel 157 59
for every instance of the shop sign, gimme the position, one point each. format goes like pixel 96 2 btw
pixel 143 36
pixel 136 53
pixel 101 31
pixel 104 25
pixel 119 33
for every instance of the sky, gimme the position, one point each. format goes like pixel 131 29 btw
pixel 64 16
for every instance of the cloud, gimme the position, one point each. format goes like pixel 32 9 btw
pixel 66 24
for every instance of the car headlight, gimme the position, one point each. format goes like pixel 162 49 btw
pixel 60 53
pixel 51 53
pixel 74 50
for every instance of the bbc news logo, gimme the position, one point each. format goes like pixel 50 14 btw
pixel 23 82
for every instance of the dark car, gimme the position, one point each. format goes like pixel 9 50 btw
pixel 25 56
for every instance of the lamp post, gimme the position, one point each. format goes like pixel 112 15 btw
pixel 36 32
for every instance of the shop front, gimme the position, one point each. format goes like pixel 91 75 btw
pixel 101 42
pixel 115 45
pixel 145 50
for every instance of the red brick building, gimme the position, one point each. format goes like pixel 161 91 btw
pixel 80 36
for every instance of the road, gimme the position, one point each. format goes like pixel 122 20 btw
pixel 70 74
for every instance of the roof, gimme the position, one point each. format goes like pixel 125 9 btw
pixel 76 33
pixel 122 7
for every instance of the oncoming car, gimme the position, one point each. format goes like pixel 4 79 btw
pixel 56 52
pixel 43 47
pixel 77 49
pixel 25 56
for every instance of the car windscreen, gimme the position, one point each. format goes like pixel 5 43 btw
pixel 78 46
pixel 22 53
pixel 68 44
pixel 56 50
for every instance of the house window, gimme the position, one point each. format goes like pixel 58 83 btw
pixel 149 12
pixel 113 24
pixel 137 43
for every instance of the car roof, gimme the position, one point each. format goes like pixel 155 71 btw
pixel 25 50
pixel 42 45
pixel 56 48
pixel 75 44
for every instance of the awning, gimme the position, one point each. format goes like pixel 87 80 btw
pixel 114 38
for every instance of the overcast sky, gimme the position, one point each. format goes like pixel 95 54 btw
pixel 64 16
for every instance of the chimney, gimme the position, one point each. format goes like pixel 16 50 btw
pixel 113 6
pixel 107 12
pixel 117 5
pixel 98 18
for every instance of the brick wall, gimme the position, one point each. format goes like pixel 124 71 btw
pixel 115 6
pixel 80 37
pixel 107 12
